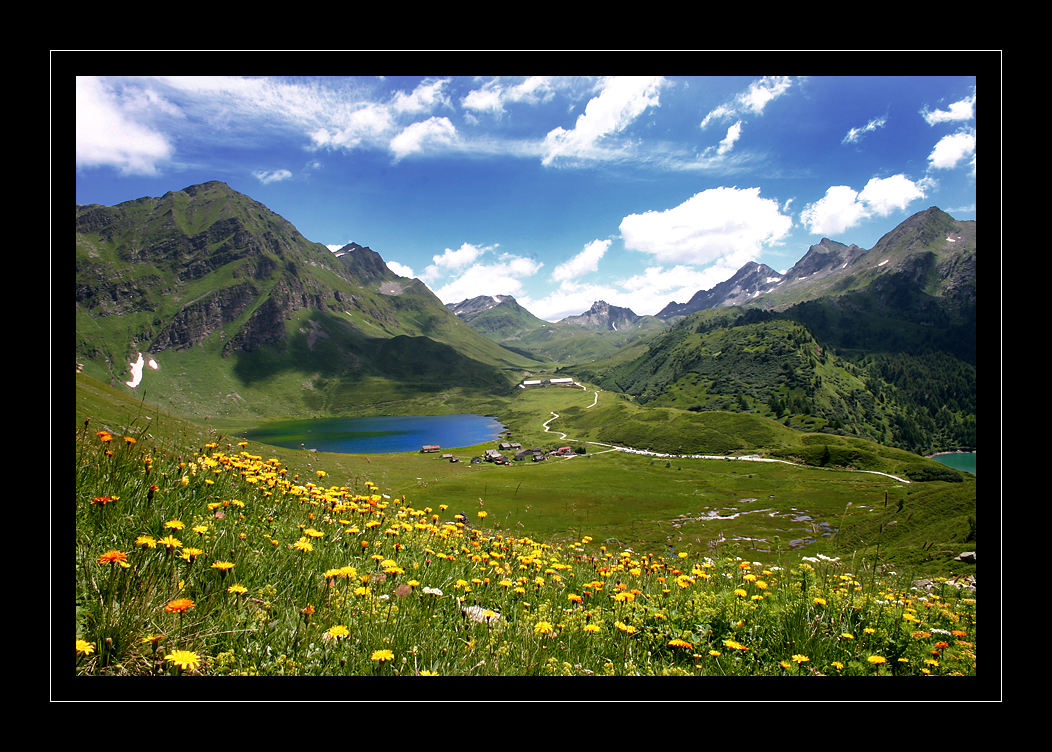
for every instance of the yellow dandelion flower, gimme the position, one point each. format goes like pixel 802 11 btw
pixel 184 659
pixel 174 525
pixel 381 656
pixel 85 647
pixel 338 632
pixel 877 659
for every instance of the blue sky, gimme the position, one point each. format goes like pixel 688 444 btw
pixel 558 190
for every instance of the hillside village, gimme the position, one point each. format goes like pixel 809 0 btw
pixel 499 456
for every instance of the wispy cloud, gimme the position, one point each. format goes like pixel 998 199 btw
pixel 621 100
pixel 855 134
pixel 492 97
pixel 271 177
pixel 752 101
pixel 584 262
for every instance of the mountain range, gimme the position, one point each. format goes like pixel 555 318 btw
pixel 245 316
pixel 931 247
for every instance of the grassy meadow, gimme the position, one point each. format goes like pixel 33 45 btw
pixel 200 554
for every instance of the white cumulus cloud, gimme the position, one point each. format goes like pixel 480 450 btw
pixel 842 207
pixel 962 110
pixel 951 149
pixel 464 256
pixel 720 223
pixel 115 130
pixel 435 131
pixel 400 269
pixel 504 277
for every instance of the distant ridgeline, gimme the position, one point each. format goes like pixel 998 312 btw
pixel 885 350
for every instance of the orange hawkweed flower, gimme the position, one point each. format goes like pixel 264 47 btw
pixel 179 605
pixel 113 557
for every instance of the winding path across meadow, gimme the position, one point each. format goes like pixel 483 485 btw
pixel 747 458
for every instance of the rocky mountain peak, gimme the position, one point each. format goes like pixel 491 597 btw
pixel 471 307
pixel 751 280
pixel 364 264
pixel 602 315
pixel 825 257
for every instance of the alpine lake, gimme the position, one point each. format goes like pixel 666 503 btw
pixel 379 435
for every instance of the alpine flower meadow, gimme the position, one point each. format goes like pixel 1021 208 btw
pixel 318 576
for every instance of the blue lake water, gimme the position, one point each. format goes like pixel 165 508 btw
pixel 380 435
pixel 958 461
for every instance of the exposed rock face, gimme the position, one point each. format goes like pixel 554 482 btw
pixel 748 282
pixel 602 315
pixel 824 258
pixel 155 254
pixel 471 307
pixel 365 264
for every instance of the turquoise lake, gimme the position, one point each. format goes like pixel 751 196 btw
pixel 958 461
pixel 381 435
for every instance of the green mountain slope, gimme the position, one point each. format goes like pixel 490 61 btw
pixel 879 344
pixel 228 296
pixel 930 249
